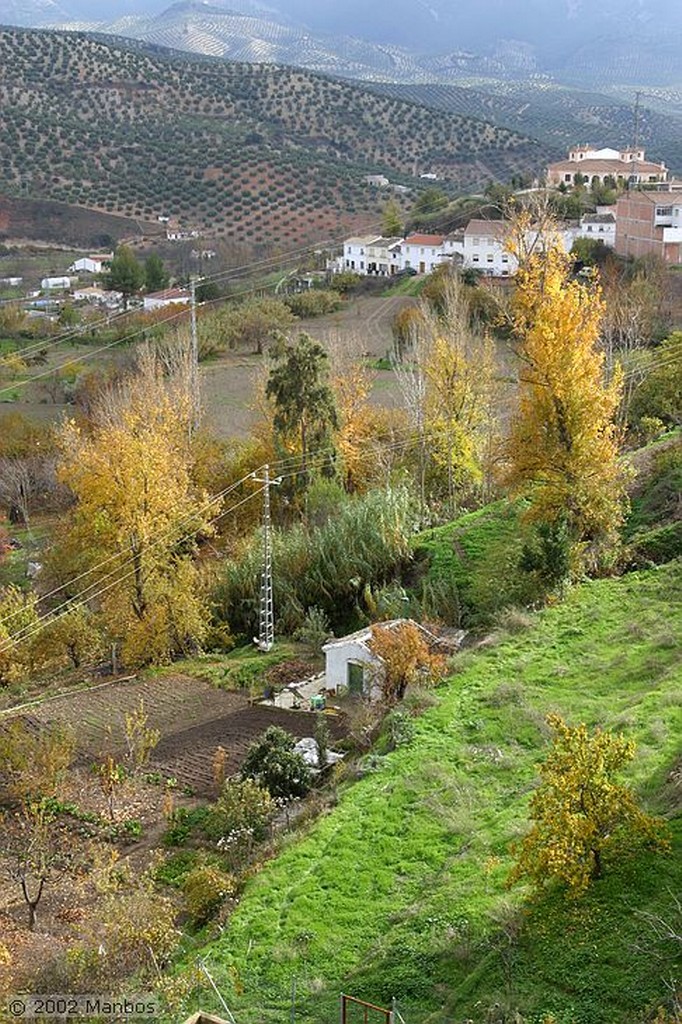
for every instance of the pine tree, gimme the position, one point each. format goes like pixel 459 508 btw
pixel 304 406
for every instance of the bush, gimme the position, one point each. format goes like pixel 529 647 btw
pixel 273 764
pixel 345 281
pixel 314 302
pixel 315 630
pixel 205 888
pixel 240 817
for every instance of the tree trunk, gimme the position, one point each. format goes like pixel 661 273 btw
pixel 32 904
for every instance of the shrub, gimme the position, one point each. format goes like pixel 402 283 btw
pixel 273 764
pixel 240 817
pixel 314 631
pixel 205 888
pixel 314 302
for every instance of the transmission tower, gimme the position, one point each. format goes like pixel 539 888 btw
pixel 194 359
pixel 266 631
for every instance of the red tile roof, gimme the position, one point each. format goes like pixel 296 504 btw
pixel 424 240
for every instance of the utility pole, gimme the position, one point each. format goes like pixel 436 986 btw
pixel 266 622
pixel 194 358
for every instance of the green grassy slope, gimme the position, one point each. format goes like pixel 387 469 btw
pixel 473 551
pixel 399 891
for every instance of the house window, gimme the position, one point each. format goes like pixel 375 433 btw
pixel 589 227
pixel 505 259
pixel 362 252
pixel 489 257
pixel 349 250
pixel 568 177
pixel 476 241
pixel 362 264
pixel 421 252
pixel 475 258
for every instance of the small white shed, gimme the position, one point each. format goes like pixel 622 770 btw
pixel 351 667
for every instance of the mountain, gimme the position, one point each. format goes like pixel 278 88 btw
pixel 583 43
pixel 251 151
pixel 557 115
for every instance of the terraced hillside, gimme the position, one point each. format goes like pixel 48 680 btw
pixel 557 115
pixel 255 151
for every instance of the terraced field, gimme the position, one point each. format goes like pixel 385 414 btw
pixel 193 717
pixel 252 151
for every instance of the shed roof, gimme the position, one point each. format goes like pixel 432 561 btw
pixel 361 636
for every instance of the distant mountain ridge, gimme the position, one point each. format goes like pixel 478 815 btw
pixel 635 41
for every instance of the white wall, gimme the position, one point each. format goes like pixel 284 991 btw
pixel 488 254
pixel 414 255
pixel 337 658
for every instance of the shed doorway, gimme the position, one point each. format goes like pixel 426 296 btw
pixel 356 679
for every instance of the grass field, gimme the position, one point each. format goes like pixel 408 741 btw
pixel 400 890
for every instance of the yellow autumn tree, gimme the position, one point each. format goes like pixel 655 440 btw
pixel 352 381
pixel 581 814
pixel 137 517
pixel 459 371
pixel 563 444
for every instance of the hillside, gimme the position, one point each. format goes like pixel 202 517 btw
pixel 399 891
pixel 253 151
pixel 558 115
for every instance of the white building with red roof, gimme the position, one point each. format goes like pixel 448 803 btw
pixel 596 165
pixel 423 253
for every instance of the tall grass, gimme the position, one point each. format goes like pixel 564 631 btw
pixel 328 566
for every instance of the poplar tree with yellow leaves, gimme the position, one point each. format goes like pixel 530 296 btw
pixel 137 516
pixel 564 442
pixel 459 370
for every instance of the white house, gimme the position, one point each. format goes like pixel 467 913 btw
pixel 351 667
pixel 62 283
pixel 382 257
pixel 423 253
pixel 355 252
pixel 599 226
pixel 484 249
pixel 96 296
pixel 90 264
pixel 376 180
pixel 168 297
pixel 11 282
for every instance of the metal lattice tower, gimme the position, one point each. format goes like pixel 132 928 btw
pixel 266 622
pixel 195 415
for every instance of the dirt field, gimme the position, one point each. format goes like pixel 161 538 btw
pixel 228 383
pixel 193 717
